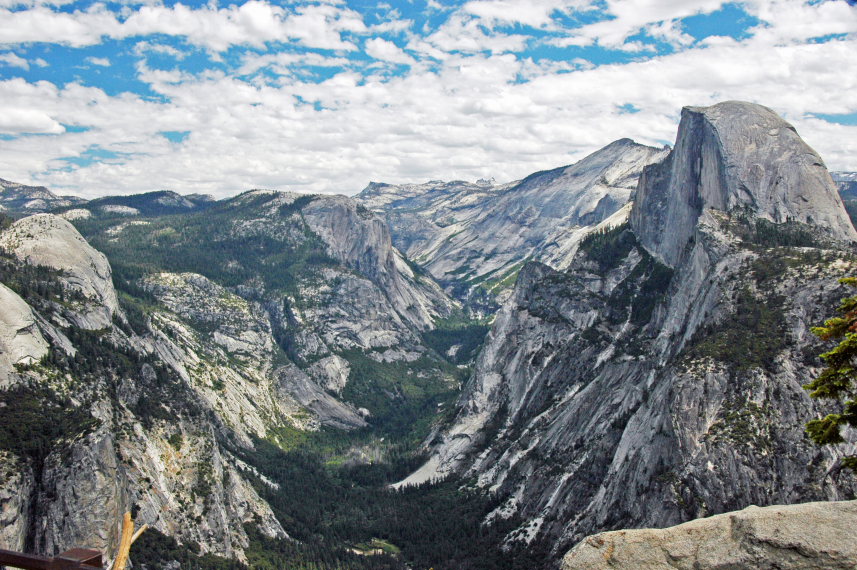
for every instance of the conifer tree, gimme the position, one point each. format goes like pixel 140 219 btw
pixel 838 380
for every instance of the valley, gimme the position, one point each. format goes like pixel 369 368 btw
pixel 442 375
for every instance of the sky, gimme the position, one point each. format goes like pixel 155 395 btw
pixel 128 96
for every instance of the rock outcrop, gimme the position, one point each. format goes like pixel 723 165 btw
pixel 16 489
pixel 162 404
pixel 733 156
pixel 51 241
pixel 808 536
pixel 21 342
pixel 627 392
pixel 113 424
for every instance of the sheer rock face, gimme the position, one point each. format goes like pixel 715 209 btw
pixel 178 473
pixel 796 537
pixel 252 393
pixel 624 392
pixel 730 156
pixel 51 241
pixel 481 233
pixel 177 396
pixel 21 342
pixel 16 488
pixel 362 241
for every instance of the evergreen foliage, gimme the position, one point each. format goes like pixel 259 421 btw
pixel 750 337
pixel 837 380
pixel 457 330
pixel 34 421
pixel 763 233
pixel 608 247
pixel 330 509
pixel 402 397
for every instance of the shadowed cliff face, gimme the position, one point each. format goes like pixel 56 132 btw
pixel 659 378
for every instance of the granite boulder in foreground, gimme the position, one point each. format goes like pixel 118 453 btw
pixel 805 536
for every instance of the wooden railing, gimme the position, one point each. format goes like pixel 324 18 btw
pixel 76 558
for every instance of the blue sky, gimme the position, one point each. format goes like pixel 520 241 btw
pixel 119 97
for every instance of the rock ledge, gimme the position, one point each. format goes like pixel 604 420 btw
pixel 806 536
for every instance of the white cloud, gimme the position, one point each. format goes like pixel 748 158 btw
pixel 385 50
pixel 394 26
pixel 534 13
pixel 671 32
pixel 287 63
pixel 13 60
pixel 465 113
pixel 466 34
pixel 16 120
pixel 99 61
pixel 43 24
pixel 629 18
pixel 252 23
pixel 144 47
pixel 787 21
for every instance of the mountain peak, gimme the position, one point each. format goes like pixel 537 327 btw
pixel 734 155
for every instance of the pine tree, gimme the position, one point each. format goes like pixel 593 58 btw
pixel 838 381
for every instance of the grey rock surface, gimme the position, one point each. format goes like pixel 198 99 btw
pixel 475 237
pixel 809 536
pixel 735 156
pixel 21 341
pixel 625 393
pixel 16 488
pixel 51 241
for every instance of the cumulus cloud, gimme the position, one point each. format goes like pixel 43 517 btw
pixel 252 23
pixel 534 13
pixel 17 120
pixel 466 34
pixel 624 19
pixel 385 50
pixel 472 102
pixel 99 61
pixel 13 60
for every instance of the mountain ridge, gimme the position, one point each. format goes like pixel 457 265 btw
pixel 627 392
pixel 473 238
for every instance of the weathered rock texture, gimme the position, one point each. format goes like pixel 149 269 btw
pixel 21 342
pixel 796 537
pixel 474 238
pixel 142 435
pixel 731 156
pixel 16 489
pixel 162 404
pixel 625 393
pixel 51 241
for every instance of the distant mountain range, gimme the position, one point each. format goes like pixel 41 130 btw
pixel 616 343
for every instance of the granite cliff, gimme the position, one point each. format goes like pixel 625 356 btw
pixel 474 238
pixel 256 321
pixel 658 378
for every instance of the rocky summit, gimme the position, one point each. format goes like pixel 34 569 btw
pixel 658 378
pixel 450 374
